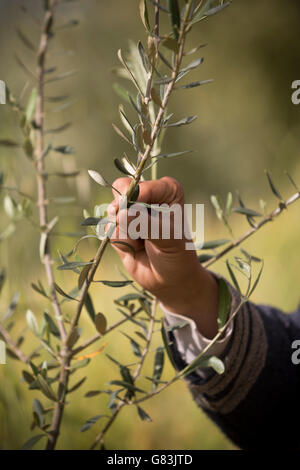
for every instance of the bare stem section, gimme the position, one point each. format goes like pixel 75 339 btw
pixel 40 162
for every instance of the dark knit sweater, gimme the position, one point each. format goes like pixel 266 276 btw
pixel 256 402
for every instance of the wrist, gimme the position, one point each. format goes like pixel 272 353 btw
pixel 195 298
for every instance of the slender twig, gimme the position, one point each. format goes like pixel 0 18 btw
pixel 59 406
pixel 135 377
pixel 40 164
pixel 108 425
pixel 13 346
pixel 269 218
pixel 98 336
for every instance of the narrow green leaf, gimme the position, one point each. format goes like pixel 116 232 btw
pixel 98 178
pixel 113 360
pixel 292 181
pixel 216 202
pixel 112 399
pixel 158 366
pixel 91 221
pixel 127 124
pixel 174 14
pixel 121 134
pixel 39 290
pixel 128 297
pixel 52 326
pixel 90 422
pixel 80 364
pixel 32 441
pixel 206 11
pixel 9 143
pixel 155 97
pixel 77 385
pixel 192 65
pixel 246 211
pixel 194 84
pixel 256 280
pixel 228 204
pixel 273 187
pixel 121 167
pixel 182 122
pixel 224 303
pixel 27 377
pixel 125 65
pixel 93 393
pixel 170 155
pixel 136 349
pixel 73 265
pixel 90 307
pixel 75 335
pixel 2 279
pixel 63 199
pixel 39 410
pixel 116 283
pixel 205 362
pixel 143 56
pixel 30 110
pixel 251 257
pixel 126 385
pixel 63 293
pixel 46 388
pixel 210 245
pixel 32 323
pixel 144 14
pixel 83 275
pixel 245 266
pixel 232 275
pixel 143 415
pixel 166 343
pixel 64 149
pixel 12 306
pixel 127 377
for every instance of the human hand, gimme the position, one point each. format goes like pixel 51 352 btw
pixel 163 266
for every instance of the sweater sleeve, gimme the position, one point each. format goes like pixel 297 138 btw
pixel 256 401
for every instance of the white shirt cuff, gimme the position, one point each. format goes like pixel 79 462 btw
pixel 190 342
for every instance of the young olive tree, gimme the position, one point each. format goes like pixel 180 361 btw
pixel 157 67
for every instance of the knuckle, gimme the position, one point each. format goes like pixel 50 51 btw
pixel 175 187
pixel 121 183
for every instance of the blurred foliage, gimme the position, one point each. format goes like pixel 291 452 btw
pixel 246 123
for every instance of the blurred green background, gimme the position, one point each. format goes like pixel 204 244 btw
pixel 246 123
